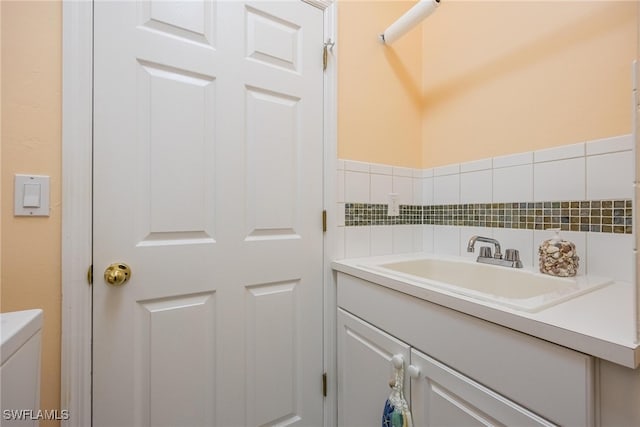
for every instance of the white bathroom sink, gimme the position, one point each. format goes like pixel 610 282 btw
pixel 16 328
pixel 20 343
pixel 512 287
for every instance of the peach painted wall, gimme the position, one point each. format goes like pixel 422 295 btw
pixel 379 87
pixel 31 143
pixel 509 76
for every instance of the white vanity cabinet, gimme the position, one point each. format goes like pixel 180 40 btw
pixel 364 370
pixel 444 397
pixel 466 371
pixel 438 395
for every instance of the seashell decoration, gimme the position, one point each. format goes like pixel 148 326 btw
pixel 558 257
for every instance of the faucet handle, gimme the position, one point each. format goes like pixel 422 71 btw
pixel 512 255
pixel 485 252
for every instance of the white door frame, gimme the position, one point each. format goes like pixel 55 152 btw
pixel 77 169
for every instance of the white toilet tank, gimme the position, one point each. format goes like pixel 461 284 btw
pixel 20 369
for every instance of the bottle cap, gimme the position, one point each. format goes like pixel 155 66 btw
pixel 556 237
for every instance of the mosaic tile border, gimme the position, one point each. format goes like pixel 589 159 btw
pixel 357 214
pixel 602 216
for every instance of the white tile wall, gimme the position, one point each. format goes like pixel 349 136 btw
pixel 636 223
pixel 427 173
pixel 377 168
pixel 477 165
pixel 427 191
pixel 446 189
pixel 504 190
pixel 610 176
pixel 355 166
pixel 513 160
pixel 610 255
pixel 446 239
pixel 381 186
pixel 403 187
pixel 340 185
pixel 417 190
pixel 446 170
pixel 381 240
pixel 427 238
pixel 338 249
pixel 403 239
pixel 559 153
pixel 360 182
pixel 601 169
pixel 406 172
pixel 356 187
pixel 559 180
pixel 340 212
pixel 610 145
pixel 418 238
pixel 357 242
pixel 476 187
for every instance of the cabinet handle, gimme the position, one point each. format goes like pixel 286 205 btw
pixel 413 371
pixel 397 361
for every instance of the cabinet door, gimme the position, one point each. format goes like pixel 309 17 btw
pixel 364 371
pixel 444 397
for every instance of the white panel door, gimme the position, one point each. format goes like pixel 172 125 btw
pixel 443 397
pixel 364 371
pixel 208 183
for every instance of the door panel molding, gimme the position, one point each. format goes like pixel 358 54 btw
pixel 77 122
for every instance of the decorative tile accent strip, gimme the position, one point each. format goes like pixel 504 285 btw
pixel 369 214
pixel 606 216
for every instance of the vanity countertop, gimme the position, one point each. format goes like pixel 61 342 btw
pixel 599 323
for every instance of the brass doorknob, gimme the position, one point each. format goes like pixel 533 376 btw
pixel 117 274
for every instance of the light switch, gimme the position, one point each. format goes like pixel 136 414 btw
pixel 393 208
pixel 31 196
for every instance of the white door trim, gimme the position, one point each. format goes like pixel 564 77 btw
pixel 330 188
pixel 77 135
pixel 77 123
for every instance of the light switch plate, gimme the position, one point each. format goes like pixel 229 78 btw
pixel 393 207
pixel 23 206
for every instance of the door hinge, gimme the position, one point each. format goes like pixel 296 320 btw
pixel 90 275
pixel 327 47
pixel 324 221
pixel 324 384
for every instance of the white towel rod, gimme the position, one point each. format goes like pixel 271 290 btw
pixel 410 19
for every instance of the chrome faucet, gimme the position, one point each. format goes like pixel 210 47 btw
pixel 512 256
pixel 474 239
